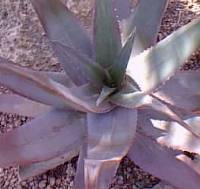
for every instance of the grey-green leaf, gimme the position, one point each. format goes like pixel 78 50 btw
pixel 182 91
pixel 106 33
pixel 40 88
pixel 162 162
pixel 177 137
pixel 79 67
pixel 152 67
pixel 22 106
pixel 34 169
pixel 146 19
pixel 44 138
pixel 109 139
pixel 118 68
pixel 105 93
pixel 61 25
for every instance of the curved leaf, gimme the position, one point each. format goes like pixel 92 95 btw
pixel 59 77
pixel 122 8
pixel 105 93
pixel 79 180
pixel 27 171
pixel 158 115
pixel 154 66
pixel 130 100
pixel 22 106
pixel 44 138
pixel 141 101
pixel 106 33
pixel 78 66
pixel 118 69
pixel 182 91
pixel 60 25
pixel 194 164
pixel 146 19
pixel 109 138
pixel 178 137
pixel 42 89
pixel 161 162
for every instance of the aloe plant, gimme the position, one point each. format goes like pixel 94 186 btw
pixel 120 94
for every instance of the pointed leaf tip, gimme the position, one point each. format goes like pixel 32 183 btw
pixel 155 65
pixel 118 68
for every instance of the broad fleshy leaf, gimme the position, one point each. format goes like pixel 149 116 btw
pixel 145 125
pixel 122 8
pixel 154 66
pixel 43 138
pixel 106 33
pixel 142 101
pixel 59 77
pixel 79 180
pixel 22 106
pixel 109 139
pixel 162 162
pixel 193 163
pixel 90 95
pixel 178 137
pixel 158 115
pixel 105 93
pixel 146 18
pixel 182 90
pixel 61 25
pixel 129 96
pixel 34 169
pixel 42 89
pixel 118 69
pixel 130 99
pixel 166 110
pixel 80 68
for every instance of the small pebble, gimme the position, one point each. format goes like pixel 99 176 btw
pixel 42 184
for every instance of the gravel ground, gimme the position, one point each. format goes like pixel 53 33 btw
pixel 22 40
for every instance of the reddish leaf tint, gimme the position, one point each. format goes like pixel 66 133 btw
pixel 44 138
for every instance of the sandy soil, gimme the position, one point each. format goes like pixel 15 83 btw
pixel 22 40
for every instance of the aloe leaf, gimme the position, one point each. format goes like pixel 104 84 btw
pixel 105 93
pixel 59 77
pixel 154 66
pixel 118 69
pixel 34 169
pixel 147 19
pixel 122 8
pixel 89 95
pixel 106 33
pixel 193 163
pixel 178 137
pixel 145 125
pixel 22 106
pixel 140 100
pixel 157 115
pixel 109 138
pixel 161 162
pixel 79 67
pixel 129 99
pixel 163 108
pixel 182 91
pixel 79 180
pixel 39 88
pixel 43 138
pixel 61 25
